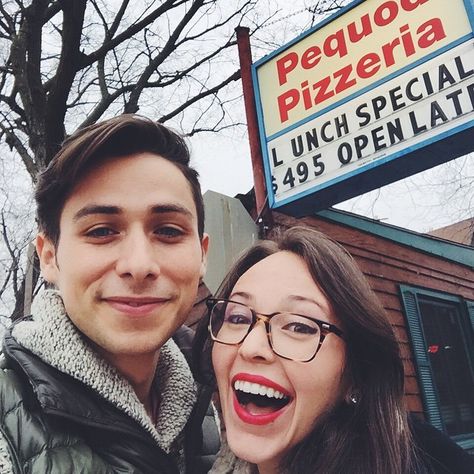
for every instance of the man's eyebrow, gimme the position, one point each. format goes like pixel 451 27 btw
pixel 171 208
pixel 96 209
pixel 113 210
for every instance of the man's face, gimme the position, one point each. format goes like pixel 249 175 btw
pixel 129 257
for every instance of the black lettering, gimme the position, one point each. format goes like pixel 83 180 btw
pixel 378 105
pixel 302 171
pixel 327 138
pixel 414 125
pixel 395 131
pixel 470 90
pixel 297 146
pixel 437 114
pixel 454 98
pixel 341 125
pixel 360 142
pixel 444 76
pixel 318 165
pixel 312 139
pixel 428 84
pixel 395 96
pixel 409 91
pixel 274 185
pixel 289 178
pixel 275 158
pixel 460 67
pixel 378 139
pixel 365 116
pixel 344 153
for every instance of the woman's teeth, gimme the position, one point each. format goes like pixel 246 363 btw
pixel 257 389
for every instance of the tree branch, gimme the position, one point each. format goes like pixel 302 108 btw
pixel 14 142
pixel 73 19
pixel 108 45
pixel 132 104
pixel 213 90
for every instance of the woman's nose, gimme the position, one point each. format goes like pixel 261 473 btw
pixel 256 345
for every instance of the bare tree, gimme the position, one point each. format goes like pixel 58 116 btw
pixel 65 64
pixel 74 61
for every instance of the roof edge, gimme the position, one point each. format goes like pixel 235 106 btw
pixel 453 251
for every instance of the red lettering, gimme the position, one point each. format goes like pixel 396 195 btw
pixel 286 102
pixel 344 82
pixel 335 44
pixel 409 5
pixel 310 57
pixel 431 31
pixel 306 93
pixel 387 51
pixel 322 93
pixel 355 35
pixel 391 8
pixel 368 65
pixel 407 41
pixel 285 65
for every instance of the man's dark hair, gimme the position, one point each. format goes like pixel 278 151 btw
pixel 89 147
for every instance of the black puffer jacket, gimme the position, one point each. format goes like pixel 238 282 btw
pixel 54 424
pixel 63 410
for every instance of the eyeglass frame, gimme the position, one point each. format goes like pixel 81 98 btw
pixel 324 327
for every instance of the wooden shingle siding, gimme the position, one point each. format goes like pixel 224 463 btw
pixel 388 264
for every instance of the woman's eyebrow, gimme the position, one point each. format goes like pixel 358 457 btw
pixel 306 299
pixel 242 294
pixel 291 298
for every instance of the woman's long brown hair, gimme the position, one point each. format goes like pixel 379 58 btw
pixel 371 436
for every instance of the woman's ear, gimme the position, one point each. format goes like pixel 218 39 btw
pixel 352 397
pixel 46 251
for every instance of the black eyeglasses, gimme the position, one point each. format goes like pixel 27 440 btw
pixel 291 336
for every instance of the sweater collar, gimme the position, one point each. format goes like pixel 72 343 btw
pixel 228 463
pixel 52 337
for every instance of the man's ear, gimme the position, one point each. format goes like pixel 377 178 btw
pixel 46 251
pixel 204 249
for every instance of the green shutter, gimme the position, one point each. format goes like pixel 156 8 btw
pixel 470 310
pixel 423 366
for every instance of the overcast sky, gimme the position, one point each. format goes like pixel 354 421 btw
pixel 428 200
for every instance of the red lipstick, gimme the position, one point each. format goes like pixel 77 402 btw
pixel 252 418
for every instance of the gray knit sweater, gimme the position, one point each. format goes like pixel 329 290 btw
pixel 228 463
pixel 52 337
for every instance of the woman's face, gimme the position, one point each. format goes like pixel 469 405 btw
pixel 259 428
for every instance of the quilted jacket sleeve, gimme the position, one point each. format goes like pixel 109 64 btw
pixel 6 466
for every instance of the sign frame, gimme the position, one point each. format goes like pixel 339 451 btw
pixel 418 156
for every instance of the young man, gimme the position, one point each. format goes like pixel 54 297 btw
pixel 93 381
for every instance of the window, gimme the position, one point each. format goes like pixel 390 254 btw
pixel 441 331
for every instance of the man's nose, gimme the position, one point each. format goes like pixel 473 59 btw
pixel 256 345
pixel 138 257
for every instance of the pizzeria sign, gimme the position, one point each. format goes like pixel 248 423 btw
pixel 377 92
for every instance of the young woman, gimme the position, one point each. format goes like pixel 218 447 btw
pixel 308 369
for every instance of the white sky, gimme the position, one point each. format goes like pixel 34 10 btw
pixel 423 202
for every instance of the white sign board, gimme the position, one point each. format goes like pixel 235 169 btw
pixel 341 106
